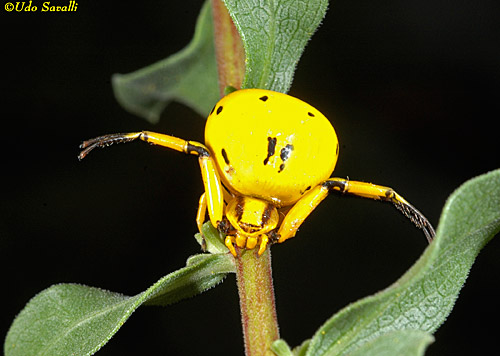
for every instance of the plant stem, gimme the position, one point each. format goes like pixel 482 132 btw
pixel 257 305
pixel 253 272
pixel 228 48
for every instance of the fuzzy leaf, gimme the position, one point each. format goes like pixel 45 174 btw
pixel 399 342
pixel 424 296
pixel 189 76
pixel 274 35
pixel 71 319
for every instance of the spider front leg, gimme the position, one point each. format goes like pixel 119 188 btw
pixel 305 206
pixel 200 219
pixel 213 198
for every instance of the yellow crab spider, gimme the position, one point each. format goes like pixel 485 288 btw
pixel 265 153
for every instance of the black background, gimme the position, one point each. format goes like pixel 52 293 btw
pixel 412 88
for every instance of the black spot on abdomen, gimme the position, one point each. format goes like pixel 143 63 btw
pixel 271 148
pixel 307 189
pixel 224 155
pixel 285 152
pixel 284 155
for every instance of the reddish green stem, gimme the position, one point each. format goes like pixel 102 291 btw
pixel 257 305
pixel 228 48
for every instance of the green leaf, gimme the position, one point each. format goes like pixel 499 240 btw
pixel 189 76
pixel 274 34
pixel 424 296
pixel 71 319
pixel 214 242
pixel 399 342
pixel 301 350
pixel 281 348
